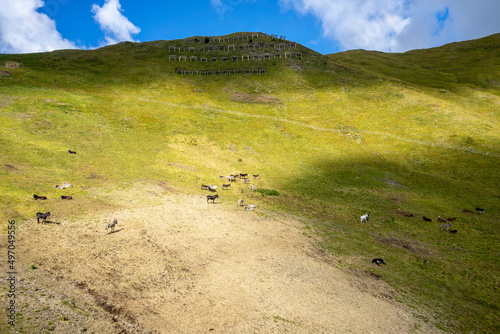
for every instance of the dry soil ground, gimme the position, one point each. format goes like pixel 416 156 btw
pixel 176 264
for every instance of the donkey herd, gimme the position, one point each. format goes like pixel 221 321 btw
pixel 445 226
pixel 226 186
pixel 447 223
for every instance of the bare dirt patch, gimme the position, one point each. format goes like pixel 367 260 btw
pixel 412 246
pixel 10 167
pixel 176 264
pixel 12 64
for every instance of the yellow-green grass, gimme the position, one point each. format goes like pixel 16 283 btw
pixel 335 140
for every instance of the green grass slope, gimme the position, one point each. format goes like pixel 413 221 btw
pixel 472 64
pixel 336 136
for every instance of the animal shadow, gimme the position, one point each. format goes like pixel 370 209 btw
pixel 52 222
pixel 115 231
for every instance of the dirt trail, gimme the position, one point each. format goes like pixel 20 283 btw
pixel 176 264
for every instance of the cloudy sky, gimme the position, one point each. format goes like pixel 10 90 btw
pixel 326 26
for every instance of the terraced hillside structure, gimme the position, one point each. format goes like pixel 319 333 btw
pixel 397 136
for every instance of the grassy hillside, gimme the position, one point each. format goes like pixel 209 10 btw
pixel 456 66
pixel 337 136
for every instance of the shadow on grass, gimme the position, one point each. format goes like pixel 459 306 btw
pixel 379 185
pixel 116 231
pixel 51 222
pixel 426 262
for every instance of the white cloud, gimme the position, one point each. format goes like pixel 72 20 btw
pixel 400 25
pixel 24 30
pixel 113 23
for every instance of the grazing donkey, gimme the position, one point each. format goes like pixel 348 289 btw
pixel 364 218
pixel 226 186
pixel 210 197
pixel 42 216
pixel 453 231
pixel 427 219
pixel 240 202
pixel 478 210
pixel 378 262
pixel 446 226
pixel 71 152
pixel 39 197
pixel 66 197
pixel 111 226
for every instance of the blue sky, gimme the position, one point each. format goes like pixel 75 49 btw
pixel 326 26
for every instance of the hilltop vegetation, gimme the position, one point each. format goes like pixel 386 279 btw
pixel 337 136
pixel 456 66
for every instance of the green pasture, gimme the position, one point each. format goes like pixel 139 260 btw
pixel 335 136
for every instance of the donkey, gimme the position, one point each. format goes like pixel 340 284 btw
pixel 42 216
pixel 71 152
pixel 111 226
pixel 212 198
pixel 66 197
pixel 446 226
pixel 364 218
pixel 39 197
pixel 378 262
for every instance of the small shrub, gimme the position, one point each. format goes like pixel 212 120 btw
pixel 268 192
pixel 207 40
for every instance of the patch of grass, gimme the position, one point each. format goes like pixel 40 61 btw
pixel 268 192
